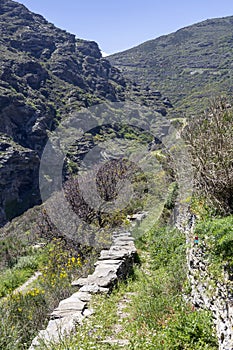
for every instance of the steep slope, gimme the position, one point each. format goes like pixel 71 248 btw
pixel 45 74
pixel 190 65
pixel 45 71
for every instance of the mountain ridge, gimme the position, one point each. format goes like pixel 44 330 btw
pixel 190 65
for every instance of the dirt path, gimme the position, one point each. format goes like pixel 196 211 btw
pixel 122 305
pixel 118 327
pixel 24 286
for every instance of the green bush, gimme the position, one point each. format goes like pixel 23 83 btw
pixel 217 235
pixel 12 279
pixel 27 262
pixel 187 330
pixel 22 315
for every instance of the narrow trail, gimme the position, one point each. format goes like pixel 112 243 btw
pixel 24 286
pixel 123 311
pixel 118 327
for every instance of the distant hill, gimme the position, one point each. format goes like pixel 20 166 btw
pixel 189 66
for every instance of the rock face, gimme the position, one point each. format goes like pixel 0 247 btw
pixel 114 264
pixel 46 74
pixel 18 180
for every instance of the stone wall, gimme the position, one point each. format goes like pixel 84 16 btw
pixel 113 265
pixel 210 294
pixel 206 291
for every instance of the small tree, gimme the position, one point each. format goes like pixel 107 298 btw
pixel 210 140
pixel 107 180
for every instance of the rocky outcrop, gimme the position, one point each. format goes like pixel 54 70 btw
pixel 42 67
pixel 113 265
pixel 18 184
pixel 46 73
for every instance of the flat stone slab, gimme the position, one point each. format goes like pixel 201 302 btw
pixel 71 303
pixel 124 250
pixel 110 256
pixel 119 234
pixel 80 282
pixel 102 277
pixel 108 262
pixel 121 251
pixel 52 328
pixel 54 331
pixel 61 314
pixel 122 243
pixel 124 238
pixel 68 307
pixel 83 296
pixel 103 270
pixel 94 289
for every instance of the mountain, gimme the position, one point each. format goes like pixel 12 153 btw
pixel 189 66
pixel 46 74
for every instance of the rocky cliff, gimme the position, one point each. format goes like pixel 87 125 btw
pixel 46 74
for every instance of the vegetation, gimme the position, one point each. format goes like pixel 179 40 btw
pixel 25 312
pixel 109 179
pixel 217 236
pixel 19 273
pixel 158 315
pixel 155 314
pixel 210 140
pixel 39 80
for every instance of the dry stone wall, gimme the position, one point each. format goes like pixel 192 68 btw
pixel 206 292
pixel 113 265
pixel 210 294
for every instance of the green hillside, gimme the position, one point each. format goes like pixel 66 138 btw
pixel 189 66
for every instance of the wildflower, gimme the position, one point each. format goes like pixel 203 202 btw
pixel 63 275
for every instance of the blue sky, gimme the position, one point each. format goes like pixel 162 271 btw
pixel 117 25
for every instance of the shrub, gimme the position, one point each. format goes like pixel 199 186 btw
pixel 217 235
pixel 22 315
pixel 210 140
